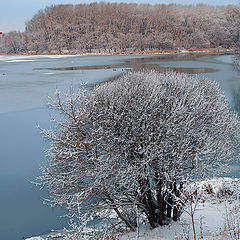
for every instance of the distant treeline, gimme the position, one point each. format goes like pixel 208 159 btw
pixel 111 27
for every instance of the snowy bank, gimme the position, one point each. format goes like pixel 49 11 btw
pixel 217 216
pixel 53 235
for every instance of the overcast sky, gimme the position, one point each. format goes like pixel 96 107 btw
pixel 14 13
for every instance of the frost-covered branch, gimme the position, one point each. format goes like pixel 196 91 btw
pixel 134 144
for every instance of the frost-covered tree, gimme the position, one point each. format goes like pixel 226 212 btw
pixel 124 150
pixel 125 27
pixel 14 42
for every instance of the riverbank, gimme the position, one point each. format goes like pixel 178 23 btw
pixel 219 50
pixel 216 216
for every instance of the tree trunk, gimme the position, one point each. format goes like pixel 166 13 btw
pixel 146 199
pixel 160 203
pixel 118 213
pixel 170 202
pixel 150 201
pixel 150 214
pixel 175 209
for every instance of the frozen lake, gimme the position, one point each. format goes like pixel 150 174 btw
pixel 25 83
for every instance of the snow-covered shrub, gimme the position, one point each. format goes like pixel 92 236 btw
pixel 125 150
pixel 215 189
pixel 232 221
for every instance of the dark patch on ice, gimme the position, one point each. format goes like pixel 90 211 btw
pixel 144 62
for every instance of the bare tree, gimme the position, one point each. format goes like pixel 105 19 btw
pixel 14 42
pixel 133 144
pixel 123 27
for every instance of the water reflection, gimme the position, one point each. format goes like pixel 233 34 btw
pixel 145 62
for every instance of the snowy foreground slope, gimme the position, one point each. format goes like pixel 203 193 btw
pixel 210 224
pixel 217 216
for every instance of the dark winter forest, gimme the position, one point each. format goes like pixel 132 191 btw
pixel 111 27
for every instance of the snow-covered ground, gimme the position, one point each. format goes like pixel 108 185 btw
pixel 210 221
pixel 216 217
pixel 53 235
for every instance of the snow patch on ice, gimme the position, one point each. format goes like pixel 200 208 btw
pixel 25 58
pixel 49 73
pixel 20 60
pixel 35 238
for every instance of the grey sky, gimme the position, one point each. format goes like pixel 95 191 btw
pixel 14 13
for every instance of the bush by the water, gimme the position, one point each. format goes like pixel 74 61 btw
pixel 123 153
